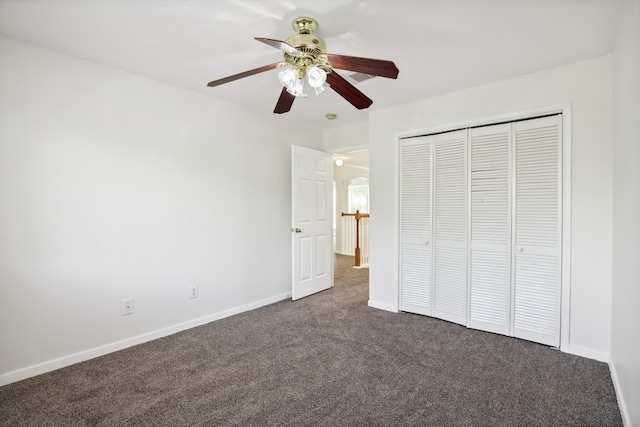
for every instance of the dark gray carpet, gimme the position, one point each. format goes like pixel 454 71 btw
pixel 325 360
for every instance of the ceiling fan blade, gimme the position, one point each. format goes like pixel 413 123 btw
pixel 285 47
pixel 241 75
pixel 284 102
pixel 377 67
pixel 348 91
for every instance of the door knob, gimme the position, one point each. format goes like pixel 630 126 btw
pixel 521 249
pixel 297 230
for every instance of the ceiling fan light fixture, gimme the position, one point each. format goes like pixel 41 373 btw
pixel 316 76
pixel 297 88
pixel 321 89
pixel 288 76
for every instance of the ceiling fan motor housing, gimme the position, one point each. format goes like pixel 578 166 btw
pixel 305 41
pixel 308 43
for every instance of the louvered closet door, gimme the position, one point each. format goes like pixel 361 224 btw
pixel 537 226
pixel 415 225
pixel 450 210
pixel 490 229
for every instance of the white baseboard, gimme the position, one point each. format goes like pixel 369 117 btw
pixel 621 402
pixel 52 365
pixel 601 356
pixel 382 306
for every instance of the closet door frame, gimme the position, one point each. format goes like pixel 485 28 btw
pixel 565 110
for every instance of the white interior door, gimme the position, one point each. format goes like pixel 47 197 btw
pixel 415 226
pixel 538 230
pixel 450 224
pixel 490 229
pixel 312 210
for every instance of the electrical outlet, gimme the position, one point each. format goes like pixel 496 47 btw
pixel 193 292
pixel 126 306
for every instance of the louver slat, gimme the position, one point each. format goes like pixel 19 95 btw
pixel 536 265
pixel 415 226
pixel 489 278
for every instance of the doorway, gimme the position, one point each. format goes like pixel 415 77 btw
pixel 351 197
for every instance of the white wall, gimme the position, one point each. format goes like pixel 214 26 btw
pixel 587 86
pixel 115 186
pixel 342 139
pixel 625 336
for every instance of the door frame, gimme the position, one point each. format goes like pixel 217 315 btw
pixel 565 110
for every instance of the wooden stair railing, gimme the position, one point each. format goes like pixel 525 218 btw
pixel 358 216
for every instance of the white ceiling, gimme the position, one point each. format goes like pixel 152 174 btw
pixel 358 159
pixel 439 45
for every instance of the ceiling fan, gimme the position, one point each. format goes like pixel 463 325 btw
pixel 305 55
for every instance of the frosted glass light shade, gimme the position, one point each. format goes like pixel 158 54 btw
pixel 316 76
pixel 320 89
pixel 297 89
pixel 288 76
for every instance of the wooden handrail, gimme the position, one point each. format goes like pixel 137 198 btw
pixel 357 215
